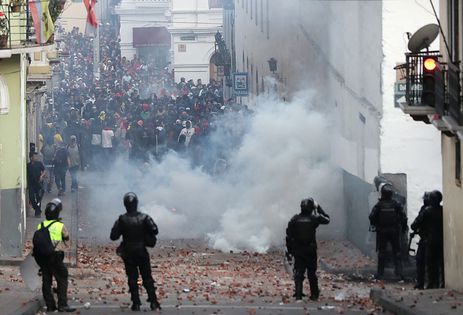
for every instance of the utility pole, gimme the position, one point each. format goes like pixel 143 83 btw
pixel 96 43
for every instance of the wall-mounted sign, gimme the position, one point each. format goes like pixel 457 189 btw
pixel 241 83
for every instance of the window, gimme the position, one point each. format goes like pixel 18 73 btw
pixel 213 4
pixel 256 12
pixel 181 48
pixel 268 19
pixel 252 6
pixel 251 83
pixel 262 16
pixel 257 82
pixel 458 162
pixel 188 37
pixel 453 26
pixel 4 96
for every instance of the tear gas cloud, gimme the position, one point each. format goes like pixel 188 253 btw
pixel 282 156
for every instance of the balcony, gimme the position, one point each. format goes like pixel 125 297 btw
pixel 447 112
pixel 17 32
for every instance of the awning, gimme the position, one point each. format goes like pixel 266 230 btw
pixel 151 36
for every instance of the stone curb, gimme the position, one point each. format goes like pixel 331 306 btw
pixel 379 297
pixel 30 308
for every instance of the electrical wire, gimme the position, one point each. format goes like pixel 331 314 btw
pixel 424 8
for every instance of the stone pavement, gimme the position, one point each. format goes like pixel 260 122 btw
pixel 194 279
pixel 419 302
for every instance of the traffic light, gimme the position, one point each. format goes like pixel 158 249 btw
pixel 431 79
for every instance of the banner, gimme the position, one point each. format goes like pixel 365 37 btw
pixel 92 23
pixel 43 24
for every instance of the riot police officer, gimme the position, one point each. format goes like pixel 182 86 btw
pixel 52 265
pixel 302 244
pixel 390 220
pixel 430 224
pixel 138 230
pixel 421 250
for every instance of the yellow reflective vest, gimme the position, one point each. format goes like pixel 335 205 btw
pixel 56 230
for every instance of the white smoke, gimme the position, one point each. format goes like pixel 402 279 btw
pixel 284 157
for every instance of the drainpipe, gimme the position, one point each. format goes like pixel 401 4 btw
pixel 22 185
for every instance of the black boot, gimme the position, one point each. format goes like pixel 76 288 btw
pixel 135 307
pixel 298 290
pixel 155 305
pixel 66 309
pixel 152 298
pixel 314 290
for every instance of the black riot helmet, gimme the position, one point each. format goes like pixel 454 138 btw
pixel 386 192
pixel 131 202
pixel 307 205
pixel 435 198
pixel 53 209
pixel 426 198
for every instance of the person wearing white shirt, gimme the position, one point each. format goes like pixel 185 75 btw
pixel 188 132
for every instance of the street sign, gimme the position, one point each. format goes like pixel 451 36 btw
pixel 241 83
pixel 399 93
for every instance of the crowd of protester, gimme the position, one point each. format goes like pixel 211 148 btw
pixel 131 109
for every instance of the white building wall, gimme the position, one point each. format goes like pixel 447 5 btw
pixel 140 13
pixel 407 146
pixel 191 58
pixel 74 15
pixel 332 50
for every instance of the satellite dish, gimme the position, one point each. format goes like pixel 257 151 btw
pixel 423 38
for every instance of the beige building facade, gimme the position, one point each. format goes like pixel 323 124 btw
pixel 446 114
pixel 451 16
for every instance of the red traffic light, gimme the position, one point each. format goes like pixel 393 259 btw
pixel 430 64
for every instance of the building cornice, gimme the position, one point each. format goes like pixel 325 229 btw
pixel 192 30
pixel 211 11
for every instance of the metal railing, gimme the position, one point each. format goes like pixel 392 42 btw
pixel 20 32
pixel 447 89
pixel 414 76
pixel 453 89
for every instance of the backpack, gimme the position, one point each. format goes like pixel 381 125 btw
pixel 41 240
pixel 61 157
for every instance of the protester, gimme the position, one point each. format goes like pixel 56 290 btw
pixel 74 161
pixel 35 175
pixel 134 104
pixel 48 153
pixel 60 167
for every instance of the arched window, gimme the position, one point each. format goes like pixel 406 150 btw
pixel 4 97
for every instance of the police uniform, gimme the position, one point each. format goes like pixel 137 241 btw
pixel 430 224
pixel 53 265
pixel 390 220
pixel 420 257
pixel 302 244
pixel 134 227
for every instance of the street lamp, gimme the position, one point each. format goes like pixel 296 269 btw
pixel 272 63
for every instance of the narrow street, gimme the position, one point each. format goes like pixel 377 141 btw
pixel 192 278
pixel 288 157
